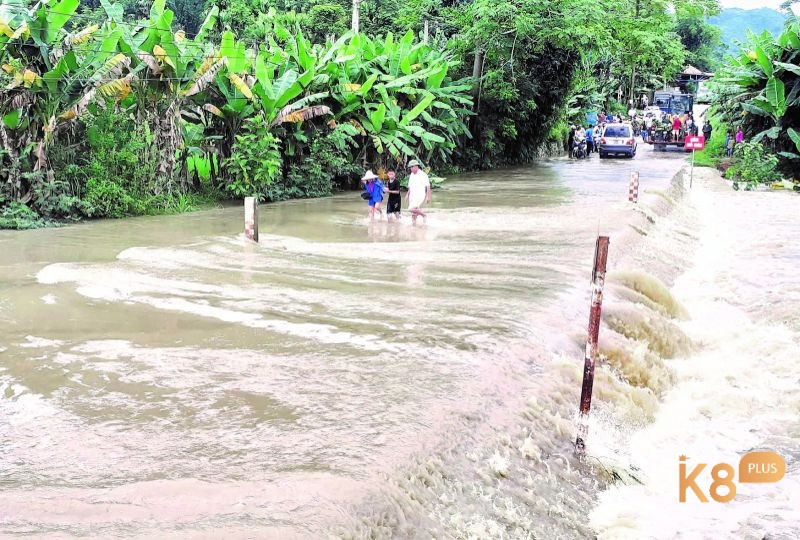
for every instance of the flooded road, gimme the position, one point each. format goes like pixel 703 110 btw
pixel 165 377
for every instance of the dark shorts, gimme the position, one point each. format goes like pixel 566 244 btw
pixel 393 206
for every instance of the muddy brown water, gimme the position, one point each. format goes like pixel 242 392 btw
pixel 164 377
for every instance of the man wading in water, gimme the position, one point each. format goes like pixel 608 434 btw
pixel 419 191
pixel 394 202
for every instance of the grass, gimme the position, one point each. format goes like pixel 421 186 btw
pixel 715 147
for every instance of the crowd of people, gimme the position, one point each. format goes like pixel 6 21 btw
pixel 586 139
pixel 653 126
pixel 418 194
pixel 667 128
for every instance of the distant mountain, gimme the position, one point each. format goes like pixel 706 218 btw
pixel 735 22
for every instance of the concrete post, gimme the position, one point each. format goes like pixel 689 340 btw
pixel 251 218
pixel 590 354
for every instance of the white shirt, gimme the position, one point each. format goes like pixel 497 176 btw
pixel 417 184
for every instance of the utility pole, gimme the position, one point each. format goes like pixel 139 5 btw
pixel 354 26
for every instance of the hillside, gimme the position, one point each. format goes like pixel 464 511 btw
pixel 735 22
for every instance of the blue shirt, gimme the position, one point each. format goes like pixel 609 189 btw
pixel 610 118
pixel 589 135
pixel 375 189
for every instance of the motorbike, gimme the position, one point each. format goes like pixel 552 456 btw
pixel 579 149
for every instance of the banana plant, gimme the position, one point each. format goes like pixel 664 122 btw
pixel 52 73
pixel 760 90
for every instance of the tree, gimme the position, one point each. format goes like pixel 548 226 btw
pixel 700 39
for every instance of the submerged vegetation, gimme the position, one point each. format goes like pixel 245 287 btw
pixel 114 109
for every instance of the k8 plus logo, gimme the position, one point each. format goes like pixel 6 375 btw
pixel 755 467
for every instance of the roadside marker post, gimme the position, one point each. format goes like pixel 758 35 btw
pixel 633 190
pixel 693 143
pixel 251 218
pixel 591 352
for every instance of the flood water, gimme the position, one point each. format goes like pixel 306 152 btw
pixel 164 377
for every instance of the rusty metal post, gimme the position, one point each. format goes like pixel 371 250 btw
pixel 590 354
pixel 251 218
pixel 633 190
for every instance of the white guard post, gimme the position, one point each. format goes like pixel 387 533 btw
pixel 251 218
pixel 633 191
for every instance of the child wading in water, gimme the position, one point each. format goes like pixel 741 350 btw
pixel 374 187
pixel 394 202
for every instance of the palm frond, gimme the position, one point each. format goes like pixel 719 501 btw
pixel 305 113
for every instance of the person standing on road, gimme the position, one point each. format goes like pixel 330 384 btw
pixel 570 140
pixel 739 136
pixel 730 140
pixel 676 127
pixel 589 140
pixel 419 191
pixel 691 127
pixel 395 201
pixel 580 138
pixel 707 128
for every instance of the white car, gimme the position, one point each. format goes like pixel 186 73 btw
pixel 617 139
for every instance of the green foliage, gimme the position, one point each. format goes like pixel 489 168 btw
pixel 326 167
pixel 56 199
pixel 119 168
pixel 132 116
pixel 255 165
pixel 559 132
pixel 106 198
pixel 700 39
pixel 325 19
pixel 753 165
pixel 16 215
pixel 760 91
pixel 189 14
pixel 714 149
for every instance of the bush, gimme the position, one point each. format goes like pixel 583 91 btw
pixel 55 198
pixel 112 175
pixel 753 165
pixel 714 150
pixel 254 168
pixel 105 198
pixel 329 164
pixel 559 133
pixel 17 215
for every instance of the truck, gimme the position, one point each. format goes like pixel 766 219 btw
pixel 674 103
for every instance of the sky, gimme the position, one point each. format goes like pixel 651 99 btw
pixel 750 4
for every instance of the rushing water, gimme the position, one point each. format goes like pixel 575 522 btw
pixel 165 377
